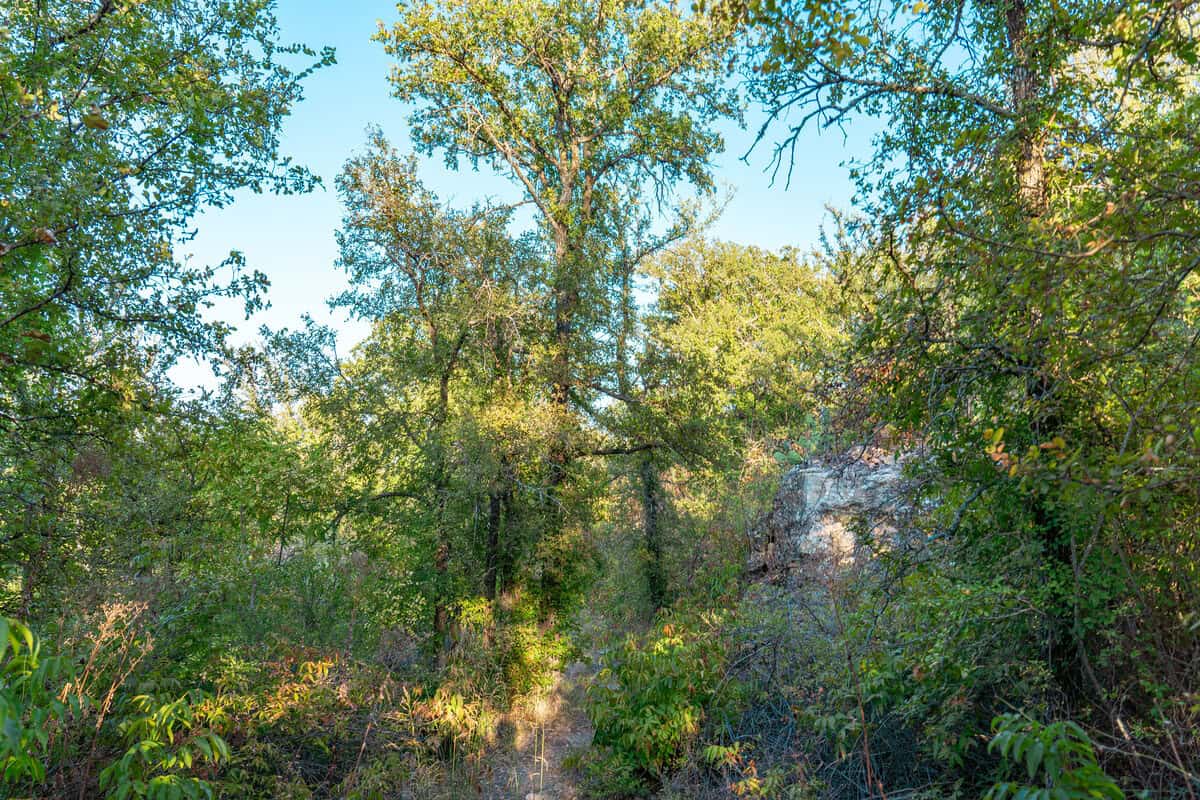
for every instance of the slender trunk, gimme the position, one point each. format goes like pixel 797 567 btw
pixel 625 330
pixel 28 569
pixel 441 608
pixel 287 508
pixel 440 483
pixel 441 561
pixel 39 520
pixel 28 582
pixel 652 531
pixel 491 578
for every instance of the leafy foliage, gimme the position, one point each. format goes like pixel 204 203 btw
pixel 111 151
pixel 649 703
pixel 1060 751
pixel 163 742
pixel 28 706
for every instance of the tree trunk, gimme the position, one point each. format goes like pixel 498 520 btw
pixel 1065 650
pixel 441 563
pixel 566 302
pixel 1024 85
pixel 652 531
pixel 498 501
pixel 28 582
pixel 566 306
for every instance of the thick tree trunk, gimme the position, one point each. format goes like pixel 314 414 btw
pixel 566 302
pixel 566 307
pixel 1025 86
pixel 1065 650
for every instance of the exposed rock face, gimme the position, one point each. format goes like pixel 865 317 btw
pixel 818 504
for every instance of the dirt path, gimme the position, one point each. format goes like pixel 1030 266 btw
pixel 541 735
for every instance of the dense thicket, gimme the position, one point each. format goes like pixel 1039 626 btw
pixel 552 461
pixel 1031 238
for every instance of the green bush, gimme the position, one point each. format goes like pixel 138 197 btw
pixel 649 702
pixel 1059 762
pixel 165 742
pixel 28 705
pixel 54 711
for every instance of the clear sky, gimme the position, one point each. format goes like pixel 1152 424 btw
pixel 291 239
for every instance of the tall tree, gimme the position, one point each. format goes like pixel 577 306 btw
pixel 732 356
pixel 1034 256
pixel 429 408
pixel 594 108
pixel 118 122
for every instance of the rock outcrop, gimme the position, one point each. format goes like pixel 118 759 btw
pixel 819 505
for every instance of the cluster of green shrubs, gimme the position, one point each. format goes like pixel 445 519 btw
pixel 504 649
pixel 105 715
pixel 760 702
pixel 651 701
pixel 69 720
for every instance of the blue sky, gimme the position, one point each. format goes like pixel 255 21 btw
pixel 291 239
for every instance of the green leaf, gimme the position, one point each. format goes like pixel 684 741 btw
pixel 1033 757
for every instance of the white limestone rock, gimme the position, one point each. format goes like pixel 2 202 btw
pixel 817 505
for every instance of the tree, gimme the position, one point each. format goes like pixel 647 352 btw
pixel 1033 319
pixel 434 409
pixel 588 106
pixel 735 357
pixel 119 122
pixel 741 337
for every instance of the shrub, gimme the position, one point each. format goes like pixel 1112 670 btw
pixel 29 707
pixel 67 707
pixel 165 742
pixel 649 702
pixel 1058 758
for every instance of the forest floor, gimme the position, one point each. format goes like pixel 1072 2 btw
pixel 540 738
